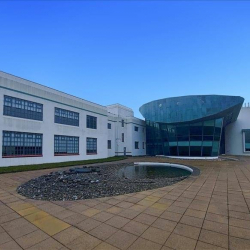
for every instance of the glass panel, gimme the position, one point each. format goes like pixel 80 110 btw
pixel 206 151
pixel 183 151
pixel 196 128
pixel 247 140
pixel 195 151
pixel 195 143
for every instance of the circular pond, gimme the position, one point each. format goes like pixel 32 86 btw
pixel 151 172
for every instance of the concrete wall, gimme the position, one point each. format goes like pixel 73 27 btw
pixel 234 137
pixel 20 88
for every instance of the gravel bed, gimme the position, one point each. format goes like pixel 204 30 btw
pixel 67 185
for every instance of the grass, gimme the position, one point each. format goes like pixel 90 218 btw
pixel 22 168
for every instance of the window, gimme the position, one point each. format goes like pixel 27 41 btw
pixel 109 125
pixel 67 117
pixel 66 145
pixel 136 145
pixel 91 145
pixel 19 144
pixel 136 129
pixel 109 144
pixel 23 109
pixel 122 137
pixel 91 122
pixel 143 145
pixel 122 123
pixel 247 140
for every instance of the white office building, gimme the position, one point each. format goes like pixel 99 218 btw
pixel 42 125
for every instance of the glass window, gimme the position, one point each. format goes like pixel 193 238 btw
pixel 183 151
pixel 91 122
pixel 206 151
pixel 22 108
pixel 136 145
pixel 109 125
pixel 122 137
pixel 195 151
pixel 122 123
pixel 136 129
pixel 91 145
pixel 196 129
pixel 109 144
pixel 247 140
pixel 63 116
pixel 208 127
pixel 20 144
pixel 66 145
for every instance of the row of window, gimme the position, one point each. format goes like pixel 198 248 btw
pixel 30 144
pixel 20 108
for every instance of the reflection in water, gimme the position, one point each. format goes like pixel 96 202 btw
pixel 151 172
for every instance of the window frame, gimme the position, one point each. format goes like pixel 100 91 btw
pixel 91 122
pixel 23 142
pixel 109 144
pixel 136 144
pixel 66 117
pixel 21 108
pixel 94 142
pixel 68 141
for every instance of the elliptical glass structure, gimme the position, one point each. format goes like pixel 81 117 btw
pixel 191 126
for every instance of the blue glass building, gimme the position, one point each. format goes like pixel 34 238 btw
pixel 189 125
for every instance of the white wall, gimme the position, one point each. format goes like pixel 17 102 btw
pixel 20 88
pixel 234 144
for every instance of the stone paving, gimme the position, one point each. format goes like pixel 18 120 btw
pixel 209 211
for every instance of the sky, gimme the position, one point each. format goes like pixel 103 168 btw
pixel 129 52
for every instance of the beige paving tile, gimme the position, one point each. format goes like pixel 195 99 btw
pixel 51 225
pixel 31 239
pixel 135 228
pixel 195 213
pixel 114 210
pixel 171 216
pixel 239 232
pixel 47 244
pixel 143 244
pixel 164 224
pixel 203 246
pixel 68 235
pixel 238 244
pixel 215 227
pixel 88 224
pixel 187 231
pixel 4 237
pixel 75 219
pixel 145 218
pixel 11 245
pixel 129 213
pixel 36 216
pixel 214 238
pixel 91 212
pixel 103 231
pixel 27 211
pixel 179 242
pixel 156 235
pixel 121 239
pixel 217 218
pixel 191 221
pixel 105 246
pixel 117 221
pixel 102 216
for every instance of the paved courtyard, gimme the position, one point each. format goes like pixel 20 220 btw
pixel 209 211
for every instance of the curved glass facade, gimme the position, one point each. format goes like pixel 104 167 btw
pixel 189 139
pixel 189 125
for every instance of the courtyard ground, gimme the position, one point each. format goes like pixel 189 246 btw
pixel 209 211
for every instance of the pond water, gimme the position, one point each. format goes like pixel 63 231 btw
pixel 151 172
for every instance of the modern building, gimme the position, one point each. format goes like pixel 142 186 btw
pixel 42 125
pixel 197 126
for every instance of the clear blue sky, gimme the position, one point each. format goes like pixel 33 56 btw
pixel 129 52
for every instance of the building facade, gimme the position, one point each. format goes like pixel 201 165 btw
pixel 41 125
pixel 192 126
